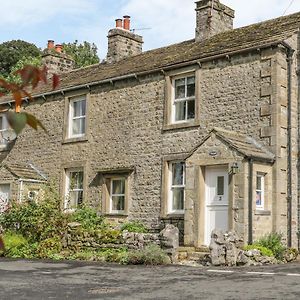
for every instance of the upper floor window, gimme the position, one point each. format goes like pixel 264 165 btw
pixel 183 99
pixel 260 191
pixel 77 117
pixel 74 188
pixel 176 187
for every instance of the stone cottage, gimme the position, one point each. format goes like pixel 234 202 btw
pixel 202 134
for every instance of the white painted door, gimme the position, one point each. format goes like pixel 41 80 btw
pixel 4 196
pixel 216 200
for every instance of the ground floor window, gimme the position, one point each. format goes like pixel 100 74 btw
pixel 117 195
pixel 176 187
pixel 74 188
pixel 4 196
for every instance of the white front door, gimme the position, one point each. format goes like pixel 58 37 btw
pixel 4 196
pixel 216 200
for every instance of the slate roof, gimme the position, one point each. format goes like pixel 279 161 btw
pixel 244 144
pixel 257 35
pixel 24 171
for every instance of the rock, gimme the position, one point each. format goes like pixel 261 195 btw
pixel 74 225
pixel 242 259
pixel 218 236
pixel 290 255
pixel 169 237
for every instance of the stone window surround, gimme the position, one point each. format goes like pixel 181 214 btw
pixel 68 99
pixel 169 94
pixel 76 165
pixel 3 128
pixel 106 180
pixel 266 170
pixel 165 189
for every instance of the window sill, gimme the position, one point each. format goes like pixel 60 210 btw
pixel 261 212
pixel 174 126
pixel 116 215
pixel 174 216
pixel 81 139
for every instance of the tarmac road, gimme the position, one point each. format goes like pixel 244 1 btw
pixel 24 279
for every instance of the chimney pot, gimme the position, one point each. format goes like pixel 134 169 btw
pixel 119 23
pixel 126 23
pixel 58 48
pixel 50 44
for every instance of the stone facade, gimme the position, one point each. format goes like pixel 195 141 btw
pixel 128 131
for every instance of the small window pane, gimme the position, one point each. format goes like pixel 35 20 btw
pixel 79 108
pixel 179 88
pixel 220 185
pixel 191 109
pixel 177 172
pixel 178 198
pixel 190 86
pixel 258 182
pixel 78 126
pixel 258 198
pixel 76 179
pixel 180 108
pixel 118 186
pixel 118 202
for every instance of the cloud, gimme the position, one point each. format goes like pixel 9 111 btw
pixel 22 13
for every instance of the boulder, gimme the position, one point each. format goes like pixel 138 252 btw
pixel 169 237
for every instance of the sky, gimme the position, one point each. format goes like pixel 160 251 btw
pixel 160 22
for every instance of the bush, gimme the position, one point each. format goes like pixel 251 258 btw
pixel 134 226
pixel 150 255
pixel 263 250
pixel 36 221
pixel 17 246
pixel 49 247
pixel 88 218
pixel 272 242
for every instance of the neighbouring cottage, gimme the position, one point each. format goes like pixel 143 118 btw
pixel 202 134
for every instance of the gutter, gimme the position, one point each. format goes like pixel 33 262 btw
pixel 289 60
pixel 88 85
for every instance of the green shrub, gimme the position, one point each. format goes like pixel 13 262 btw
pixel 273 242
pixel 17 246
pixel 134 226
pixel 49 247
pixel 88 218
pixel 263 250
pixel 150 255
pixel 36 221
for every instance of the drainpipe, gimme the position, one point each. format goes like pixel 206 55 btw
pixel 289 60
pixel 250 201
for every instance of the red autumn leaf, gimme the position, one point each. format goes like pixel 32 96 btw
pixel 55 81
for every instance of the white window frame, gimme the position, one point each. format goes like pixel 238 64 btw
pixel 185 99
pixel 68 189
pixel 171 187
pixel 261 190
pixel 111 195
pixel 72 117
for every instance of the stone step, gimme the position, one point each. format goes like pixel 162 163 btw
pixel 185 249
pixel 196 256
pixel 202 249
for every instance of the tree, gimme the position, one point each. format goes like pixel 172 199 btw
pixel 84 54
pixel 12 52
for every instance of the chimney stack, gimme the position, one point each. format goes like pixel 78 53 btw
pixel 212 17
pixel 55 60
pixel 122 42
